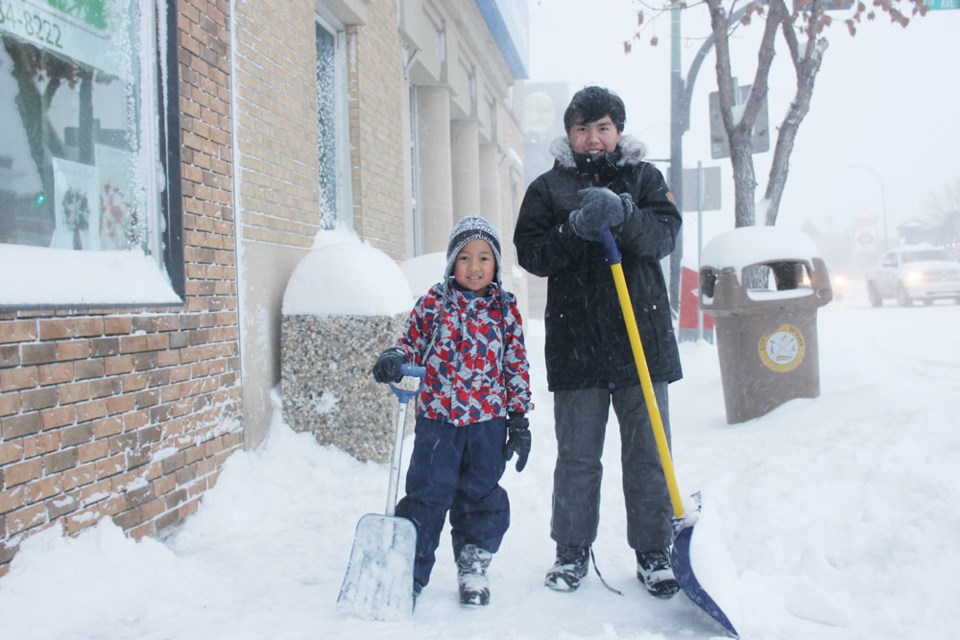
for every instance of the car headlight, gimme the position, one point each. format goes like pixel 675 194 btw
pixel 915 277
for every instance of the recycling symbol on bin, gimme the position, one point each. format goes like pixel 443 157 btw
pixel 783 350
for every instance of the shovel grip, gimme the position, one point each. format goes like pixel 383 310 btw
pixel 610 247
pixel 413 371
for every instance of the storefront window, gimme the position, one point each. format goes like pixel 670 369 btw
pixel 83 164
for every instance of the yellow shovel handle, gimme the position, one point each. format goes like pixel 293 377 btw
pixel 646 384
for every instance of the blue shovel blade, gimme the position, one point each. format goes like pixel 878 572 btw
pixel 683 571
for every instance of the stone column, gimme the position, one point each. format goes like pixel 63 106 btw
pixel 436 180
pixel 465 156
pixel 490 187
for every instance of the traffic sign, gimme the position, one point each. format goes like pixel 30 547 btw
pixel 709 200
pixel 826 5
pixel 760 136
pixel 941 5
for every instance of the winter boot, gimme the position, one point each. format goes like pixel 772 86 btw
pixel 472 575
pixel 569 569
pixel 656 574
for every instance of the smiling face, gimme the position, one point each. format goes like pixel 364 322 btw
pixel 592 138
pixel 475 265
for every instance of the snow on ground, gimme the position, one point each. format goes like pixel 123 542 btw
pixel 829 518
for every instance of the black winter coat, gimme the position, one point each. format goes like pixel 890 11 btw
pixel 586 341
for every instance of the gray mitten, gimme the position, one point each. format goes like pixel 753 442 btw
pixel 599 207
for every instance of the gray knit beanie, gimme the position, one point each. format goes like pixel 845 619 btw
pixel 467 229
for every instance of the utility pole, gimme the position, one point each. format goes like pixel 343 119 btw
pixel 678 125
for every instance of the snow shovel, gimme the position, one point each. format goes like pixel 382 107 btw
pixel 682 525
pixel 378 584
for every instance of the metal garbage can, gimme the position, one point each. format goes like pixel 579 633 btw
pixel 763 286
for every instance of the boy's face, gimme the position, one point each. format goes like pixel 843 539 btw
pixel 475 265
pixel 600 136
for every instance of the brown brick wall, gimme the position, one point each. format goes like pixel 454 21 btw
pixel 130 413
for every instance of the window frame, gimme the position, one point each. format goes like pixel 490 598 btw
pixel 342 161
pixel 171 204
pixel 415 208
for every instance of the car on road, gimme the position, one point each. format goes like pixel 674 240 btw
pixel 914 272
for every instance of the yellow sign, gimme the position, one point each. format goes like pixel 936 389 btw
pixel 783 350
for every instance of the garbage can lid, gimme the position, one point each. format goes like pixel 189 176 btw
pixel 745 246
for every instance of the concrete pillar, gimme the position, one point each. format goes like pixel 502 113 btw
pixel 436 180
pixel 465 157
pixel 490 207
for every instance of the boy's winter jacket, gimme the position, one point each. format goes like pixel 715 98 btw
pixel 473 351
pixel 586 343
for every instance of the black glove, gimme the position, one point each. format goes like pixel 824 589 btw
pixel 599 207
pixel 387 367
pixel 518 439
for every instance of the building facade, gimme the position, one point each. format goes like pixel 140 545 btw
pixel 171 164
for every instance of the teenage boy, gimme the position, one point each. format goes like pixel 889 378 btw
pixel 599 179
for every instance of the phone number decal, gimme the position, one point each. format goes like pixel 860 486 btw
pixel 21 20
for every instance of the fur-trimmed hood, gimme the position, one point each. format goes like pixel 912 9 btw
pixel 632 151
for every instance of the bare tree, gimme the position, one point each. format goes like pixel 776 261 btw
pixel 947 202
pixel 944 215
pixel 802 30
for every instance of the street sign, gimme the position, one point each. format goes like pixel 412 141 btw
pixel 942 5
pixel 866 233
pixel 711 189
pixel 826 5
pixel 719 145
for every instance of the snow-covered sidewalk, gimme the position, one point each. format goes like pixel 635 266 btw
pixel 828 518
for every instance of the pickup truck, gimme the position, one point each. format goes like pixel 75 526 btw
pixel 914 272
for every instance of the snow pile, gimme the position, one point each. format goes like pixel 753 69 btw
pixel 745 246
pixel 424 271
pixel 343 276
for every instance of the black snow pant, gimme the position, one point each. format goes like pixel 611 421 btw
pixel 581 419
pixel 456 469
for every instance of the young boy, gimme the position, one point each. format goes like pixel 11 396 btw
pixel 467 332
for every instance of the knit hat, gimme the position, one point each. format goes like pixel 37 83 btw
pixel 467 229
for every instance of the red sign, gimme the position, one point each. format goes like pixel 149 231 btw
pixel 690 301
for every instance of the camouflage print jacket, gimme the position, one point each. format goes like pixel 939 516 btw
pixel 474 354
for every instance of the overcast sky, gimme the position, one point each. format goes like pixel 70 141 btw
pixel 886 100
